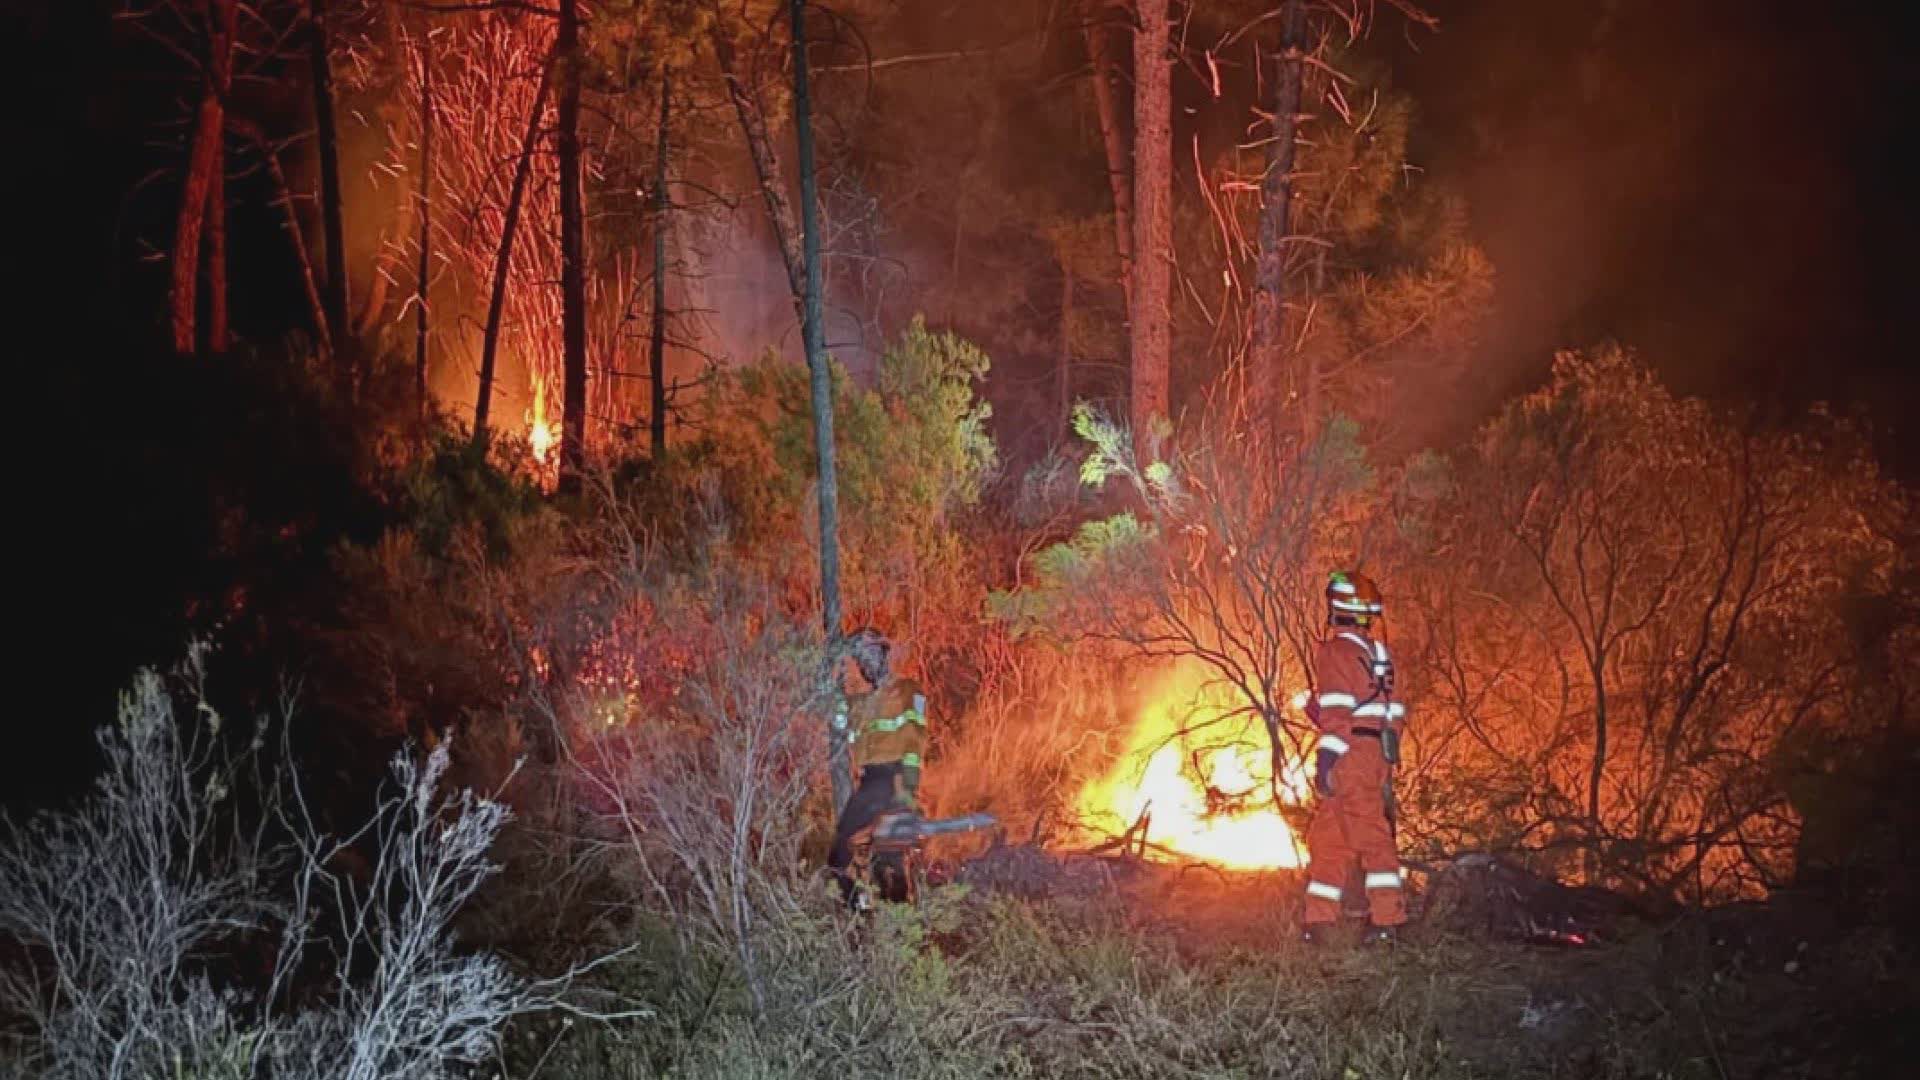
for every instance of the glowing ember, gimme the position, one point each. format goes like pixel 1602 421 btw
pixel 1206 790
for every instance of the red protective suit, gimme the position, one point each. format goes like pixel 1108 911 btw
pixel 1355 700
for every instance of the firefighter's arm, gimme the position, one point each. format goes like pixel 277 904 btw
pixel 1331 706
pixel 1325 757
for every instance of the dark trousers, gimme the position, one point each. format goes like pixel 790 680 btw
pixel 879 786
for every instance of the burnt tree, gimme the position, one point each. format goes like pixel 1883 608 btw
pixel 657 347
pixel 503 258
pixel 332 216
pixel 202 193
pixel 1151 276
pixel 283 198
pixel 573 287
pixel 820 377
pixel 1113 135
pixel 1276 206
pixel 424 193
pixel 752 116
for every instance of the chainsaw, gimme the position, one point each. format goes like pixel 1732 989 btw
pixel 906 828
pixel 896 838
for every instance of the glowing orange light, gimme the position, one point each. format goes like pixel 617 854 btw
pixel 542 432
pixel 1207 791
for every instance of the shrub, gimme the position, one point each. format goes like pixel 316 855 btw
pixel 132 914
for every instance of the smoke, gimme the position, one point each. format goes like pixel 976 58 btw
pixel 1697 181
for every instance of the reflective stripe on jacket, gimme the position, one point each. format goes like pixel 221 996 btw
pixel 888 725
pixel 1355 674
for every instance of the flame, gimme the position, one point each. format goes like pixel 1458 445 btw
pixel 542 432
pixel 1207 791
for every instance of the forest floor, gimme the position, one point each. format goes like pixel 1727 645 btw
pixel 1191 972
pixel 1787 988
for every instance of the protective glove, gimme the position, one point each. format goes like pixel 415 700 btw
pixel 1323 763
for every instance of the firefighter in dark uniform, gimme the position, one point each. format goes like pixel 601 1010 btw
pixel 885 719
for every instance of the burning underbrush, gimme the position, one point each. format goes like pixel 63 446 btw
pixel 1195 781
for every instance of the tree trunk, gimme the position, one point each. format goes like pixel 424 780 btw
pixel 1147 306
pixel 333 225
pixel 375 303
pixel 573 282
pixel 1276 208
pixel 204 160
pixel 1063 376
pixel 217 251
pixel 1310 362
pixel 1597 772
pixel 813 317
pixel 183 298
pixel 422 277
pixel 1114 137
pixel 657 354
pixel 283 196
pixel 766 164
pixel 503 261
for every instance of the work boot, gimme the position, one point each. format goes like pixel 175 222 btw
pixel 1313 936
pixel 1385 937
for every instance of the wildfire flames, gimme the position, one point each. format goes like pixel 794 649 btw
pixel 1202 778
pixel 542 432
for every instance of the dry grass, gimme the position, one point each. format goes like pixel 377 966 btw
pixel 1196 975
pixel 1054 722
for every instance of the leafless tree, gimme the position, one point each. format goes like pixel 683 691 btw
pixel 573 287
pixel 122 912
pixel 1640 609
pixel 503 262
pixel 704 804
pixel 1224 565
pixel 114 905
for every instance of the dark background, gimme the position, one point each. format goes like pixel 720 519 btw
pixel 1715 184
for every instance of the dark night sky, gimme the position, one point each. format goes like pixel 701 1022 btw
pixel 1713 183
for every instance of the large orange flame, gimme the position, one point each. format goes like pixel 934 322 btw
pixel 1202 776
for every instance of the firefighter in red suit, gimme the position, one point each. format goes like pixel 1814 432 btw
pixel 1360 725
